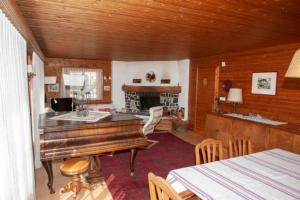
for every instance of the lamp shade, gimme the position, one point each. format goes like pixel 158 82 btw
pixel 294 68
pixel 73 80
pixel 235 95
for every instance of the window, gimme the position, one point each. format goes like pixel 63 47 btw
pixel 93 82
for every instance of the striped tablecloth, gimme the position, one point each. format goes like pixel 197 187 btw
pixel 273 174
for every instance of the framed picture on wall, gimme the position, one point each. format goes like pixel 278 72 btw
pixel 264 83
pixel 53 88
pixel 136 80
pixel 165 81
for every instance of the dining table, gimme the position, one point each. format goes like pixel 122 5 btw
pixel 270 174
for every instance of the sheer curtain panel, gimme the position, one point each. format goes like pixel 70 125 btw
pixel 17 171
pixel 38 104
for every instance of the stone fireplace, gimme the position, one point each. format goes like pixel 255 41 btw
pixel 138 99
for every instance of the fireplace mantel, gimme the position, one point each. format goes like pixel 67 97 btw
pixel 152 89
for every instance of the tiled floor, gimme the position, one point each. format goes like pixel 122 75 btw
pixel 101 191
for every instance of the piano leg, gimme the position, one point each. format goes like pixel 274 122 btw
pixel 95 175
pixel 133 153
pixel 48 167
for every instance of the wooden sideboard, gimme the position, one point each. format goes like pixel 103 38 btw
pixel 263 136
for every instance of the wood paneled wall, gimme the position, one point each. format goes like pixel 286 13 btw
pixel 285 105
pixel 201 92
pixel 53 67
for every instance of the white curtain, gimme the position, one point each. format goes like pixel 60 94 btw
pixel 37 104
pixel 17 171
pixel 93 81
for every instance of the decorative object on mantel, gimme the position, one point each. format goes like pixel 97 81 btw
pixel 150 77
pixel 165 81
pixel 294 67
pixel 137 80
pixel 53 88
pixel 235 96
pixel 226 85
pixel 264 83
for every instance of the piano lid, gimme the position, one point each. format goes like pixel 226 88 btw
pixel 48 124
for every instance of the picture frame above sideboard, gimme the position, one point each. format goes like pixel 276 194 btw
pixel 264 83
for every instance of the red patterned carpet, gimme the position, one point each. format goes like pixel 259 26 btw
pixel 170 153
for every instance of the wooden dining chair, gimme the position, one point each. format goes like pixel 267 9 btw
pixel 161 190
pixel 239 146
pixel 209 150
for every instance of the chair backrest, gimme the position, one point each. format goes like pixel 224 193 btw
pixel 155 116
pixel 239 146
pixel 209 150
pixel 160 190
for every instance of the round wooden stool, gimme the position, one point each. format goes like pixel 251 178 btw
pixel 74 168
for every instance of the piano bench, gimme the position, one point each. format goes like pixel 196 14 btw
pixel 74 168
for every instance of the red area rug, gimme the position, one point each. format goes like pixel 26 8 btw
pixel 170 153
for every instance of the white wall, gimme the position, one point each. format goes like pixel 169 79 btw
pixel 183 70
pixel 124 72
pixel 38 104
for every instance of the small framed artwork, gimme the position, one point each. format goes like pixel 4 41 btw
pixel 264 83
pixel 136 80
pixel 165 81
pixel 53 88
pixel 106 87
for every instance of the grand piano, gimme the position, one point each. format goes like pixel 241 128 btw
pixel 60 139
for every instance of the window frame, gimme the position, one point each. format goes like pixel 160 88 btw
pixel 86 70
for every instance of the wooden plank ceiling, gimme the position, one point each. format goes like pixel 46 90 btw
pixel 159 29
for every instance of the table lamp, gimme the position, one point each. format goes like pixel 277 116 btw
pixel 294 68
pixel 235 96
